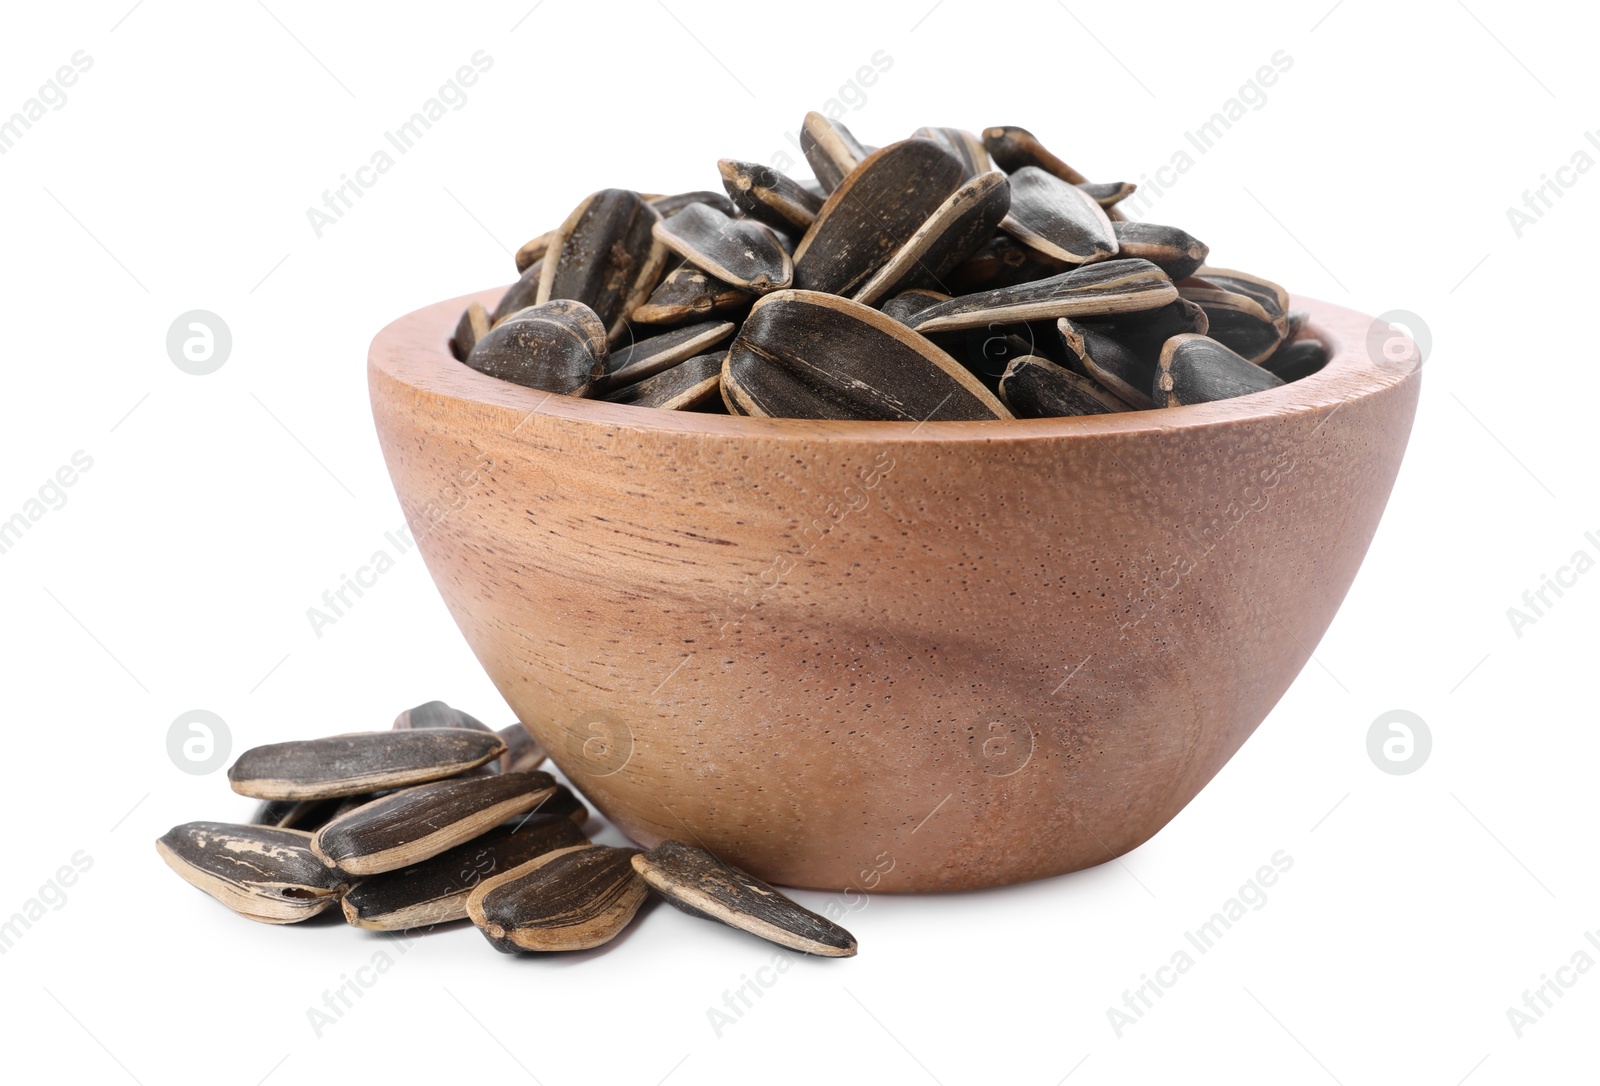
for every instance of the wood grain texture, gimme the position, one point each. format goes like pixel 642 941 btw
pixel 797 638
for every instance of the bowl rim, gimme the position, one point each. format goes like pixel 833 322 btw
pixel 413 351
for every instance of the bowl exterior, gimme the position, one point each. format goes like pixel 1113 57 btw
pixel 854 657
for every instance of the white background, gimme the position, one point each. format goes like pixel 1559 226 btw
pixel 177 575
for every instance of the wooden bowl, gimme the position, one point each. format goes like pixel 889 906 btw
pixel 883 656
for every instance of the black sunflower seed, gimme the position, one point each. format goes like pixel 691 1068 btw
pixel 1295 324
pixel 436 714
pixel 1014 148
pixel 1198 369
pixel 741 252
pixel 1058 219
pixel 686 386
pixel 1146 333
pixel 605 256
pixel 1002 262
pixel 700 884
pixel 909 302
pixel 570 899
pixel 1108 194
pixel 557 346
pixel 260 872
pixel 519 295
pixel 1174 251
pixel 1037 388
pixel 1269 295
pixel 873 212
pixel 348 765
pixel 671 205
pixel 960 143
pixel 435 891
pixel 803 354
pixel 769 196
pixel 648 357
pixel 473 326
pixel 523 751
pixel 955 230
pixel 295 814
pixel 1237 321
pixel 1122 371
pixel 532 252
pixel 564 803
pixel 687 293
pixel 830 148
pixel 1298 359
pixel 1100 289
pixel 414 824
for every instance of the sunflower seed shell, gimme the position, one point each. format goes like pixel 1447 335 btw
pixel 1058 219
pixel 605 255
pixel 570 899
pixel 347 765
pixel 1197 369
pixel 1101 289
pixel 830 148
pixel 689 385
pixel 557 346
pixel 1037 388
pixel 260 872
pixel 769 196
pixel 741 252
pixel 955 230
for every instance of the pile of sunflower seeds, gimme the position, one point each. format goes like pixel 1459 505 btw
pixel 947 276
pixel 443 819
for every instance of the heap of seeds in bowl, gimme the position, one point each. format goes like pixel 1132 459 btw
pixel 442 819
pixel 944 277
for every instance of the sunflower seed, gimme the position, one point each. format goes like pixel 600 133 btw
pixel 741 252
pixel 909 302
pixel 605 256
pixel 1014 149
pixel 1002 262
pixel 1146 333
pixel 768 196
pixel 1238 321
pixel 699 883
pixel 687 386
pixel 1122 371
pixel 1174 251
pixel 965 147
pixel 557 346
pixel 803 354
pixel 1058 219
pixel 436 714
pixel 1269 295
pixel 1198 369
pixel 669 206
pixel 347 765
pixel 1297 359
pixel 570 899
pixel 473 326
pixel 648 357
pixel 1108 194
pixel 416 823
pixel 1037 388
pixel 519 295
pixel 435 891
pixel 564 803
pixel 688 293
pixel 955 230
pixel 523 751
pixel 873 212
pixel 295 814
pixel 1100 289
pixel 830 148
pixel 533 251
pixel 261 872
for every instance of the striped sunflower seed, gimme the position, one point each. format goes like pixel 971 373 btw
pixel 260 872
pixel 1108 194
pixel 1014 149
pixel 1101 289
pixel 1037 388
pixel 908 303
pixel 873 212
pixel 1198 369
pixel 1271 297
pixel 570 899
pixel 955 230
pixel 295 814
pixel 1297 359
pixel 669 206
pixel 1002 262
pixel 803 354
pixel 436 714
pixel 1146 333
pixel 830 148
pixel 1238 321
pixel 690 385
pixel 769 196
pixel 648 357
pixel 741 252
pixel 700 884
pixel 1174 251
pixel 435 891
pixel 533 251
pixel 605 255
pixel 1122 371
pixel 687 293
pixel 556 346
pixel 1058 219
pixel 564 803
pixel 965 147
pixel 414 824
pixel 473 326
pixel 523 751
pixel 347 765
pixel 519 295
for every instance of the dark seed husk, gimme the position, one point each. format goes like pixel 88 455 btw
pixel 686 386
pixel 1014 148
pixel 1058 219
pixel 570 899
pixel 532 252
pixel 1298 359
pixel 830 148
pixel 1238 321
pixel 1037 388
pixel 1146 333
pixel 564 803
pixel 1002 262
pixel 741 252
pixel 769 196
pixel 1174 251
pixel 1295 324
pixel 909 302
pixel 1108 194
pixel 1198 369
pixel 435 891
pixel 556 346
pixel 872 213
pixel 295 814
pixel 523 751
pixel 519 295
pixel 699 883
pixel 963 145
pixel 473 326
pixel 605 256
pixel 688 293
pixel 261 872
pixel 1100 289
pixel 803 354
pixel 1271 297
pixel 436 714
pixel 1122 371
pixel 986 352
pixel 347 765
pixel 671 205
pixel 955 230
pixel 648 357
pixel 414 824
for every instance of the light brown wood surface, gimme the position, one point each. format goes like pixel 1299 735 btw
pixel 882 656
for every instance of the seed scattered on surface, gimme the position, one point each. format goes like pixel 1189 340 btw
pixel 1058 219
pixel 436 714
pixel 954 231
pixel 414 824
pixel 1176 252
pixel 570 899
pixel 1102 289
pixel 556 346
pixel 694 384
pixel 687 293
pixel 1037 388
pixel 473 326
pixel 1198 369
pixel 699 883
pixel 648 357
pixel 435 891
pixel 741 252
pixel 769 196
pixel 347 765
pixel 830 149
pixel 605 255
pixel 260 872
